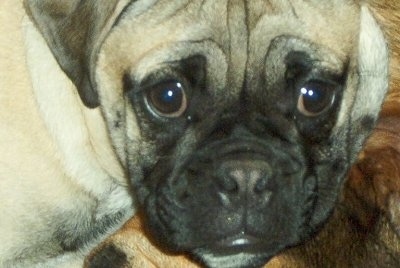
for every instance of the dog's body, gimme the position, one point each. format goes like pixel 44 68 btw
pixel 61 185
pixel 247 101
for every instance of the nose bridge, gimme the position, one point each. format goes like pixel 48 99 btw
pixel 238 43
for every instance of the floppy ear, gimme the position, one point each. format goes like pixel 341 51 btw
pixel 373 78
pixel 74 31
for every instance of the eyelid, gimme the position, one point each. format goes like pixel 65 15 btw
pixel 158 77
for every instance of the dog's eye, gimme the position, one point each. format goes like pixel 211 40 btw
pixel 167 99
pixel 315 98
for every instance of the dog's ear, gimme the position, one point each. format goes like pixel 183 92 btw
pixel 374 181
pixel 74 31
pixel 372 78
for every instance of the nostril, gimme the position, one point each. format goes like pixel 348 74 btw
pixel 228 184
pixel 261 185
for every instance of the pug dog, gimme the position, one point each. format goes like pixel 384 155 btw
pixel 230 124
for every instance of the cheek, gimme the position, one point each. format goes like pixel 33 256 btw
pixel 132 130
pixel 123 130
pixel 109 81
pixel 116 109
pixel 127 138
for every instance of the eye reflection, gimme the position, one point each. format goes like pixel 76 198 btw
pixel 305 91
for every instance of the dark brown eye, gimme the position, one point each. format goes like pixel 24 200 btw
pixel 167 99
pixel 315 98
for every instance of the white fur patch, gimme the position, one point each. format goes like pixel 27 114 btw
pixel 373 62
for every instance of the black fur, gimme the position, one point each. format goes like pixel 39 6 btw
pixel 108 257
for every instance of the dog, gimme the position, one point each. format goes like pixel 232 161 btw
pixel 230 125
pixel 364 229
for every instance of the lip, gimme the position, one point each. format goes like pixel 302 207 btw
pixel 239 243
pixel 239 240
pixel 241 249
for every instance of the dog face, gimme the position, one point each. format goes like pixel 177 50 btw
pixel 236 121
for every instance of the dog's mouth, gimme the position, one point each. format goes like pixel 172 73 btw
pixel 239 250
pixel 239 241
pixel 222 207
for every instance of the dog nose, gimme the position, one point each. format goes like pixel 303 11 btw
pixel 244 182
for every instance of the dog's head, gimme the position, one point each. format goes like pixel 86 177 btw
pixel 236 120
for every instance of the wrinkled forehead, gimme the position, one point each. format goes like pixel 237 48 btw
pixel 331 24
pixel 236 31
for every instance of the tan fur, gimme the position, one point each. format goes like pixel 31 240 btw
pixel 364 230
pixel 58 168
pixel 52 148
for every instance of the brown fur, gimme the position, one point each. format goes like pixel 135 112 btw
pixel 363 232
